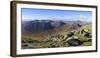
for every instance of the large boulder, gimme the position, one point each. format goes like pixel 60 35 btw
pixel 74 42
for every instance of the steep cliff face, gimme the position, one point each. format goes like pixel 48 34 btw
pixel 40 25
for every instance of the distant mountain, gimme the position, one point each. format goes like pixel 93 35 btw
pixel 40 25
pixel 46 25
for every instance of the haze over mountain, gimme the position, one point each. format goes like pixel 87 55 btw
pixel 46 25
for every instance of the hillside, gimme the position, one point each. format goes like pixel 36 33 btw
pixel 65 35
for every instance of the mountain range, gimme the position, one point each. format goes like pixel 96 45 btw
pixel 34 26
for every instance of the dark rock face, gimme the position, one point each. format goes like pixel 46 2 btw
pixel 79 25
pixel 74 42
pixel 62 23
pixel 90 40
pixel 70 34
pixel 75 25
pixel 40 25
pixel 88 35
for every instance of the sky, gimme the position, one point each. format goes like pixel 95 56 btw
pixel 68 15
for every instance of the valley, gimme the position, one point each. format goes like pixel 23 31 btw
pixel 53 34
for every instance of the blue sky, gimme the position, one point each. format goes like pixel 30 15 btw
pixel 41 14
